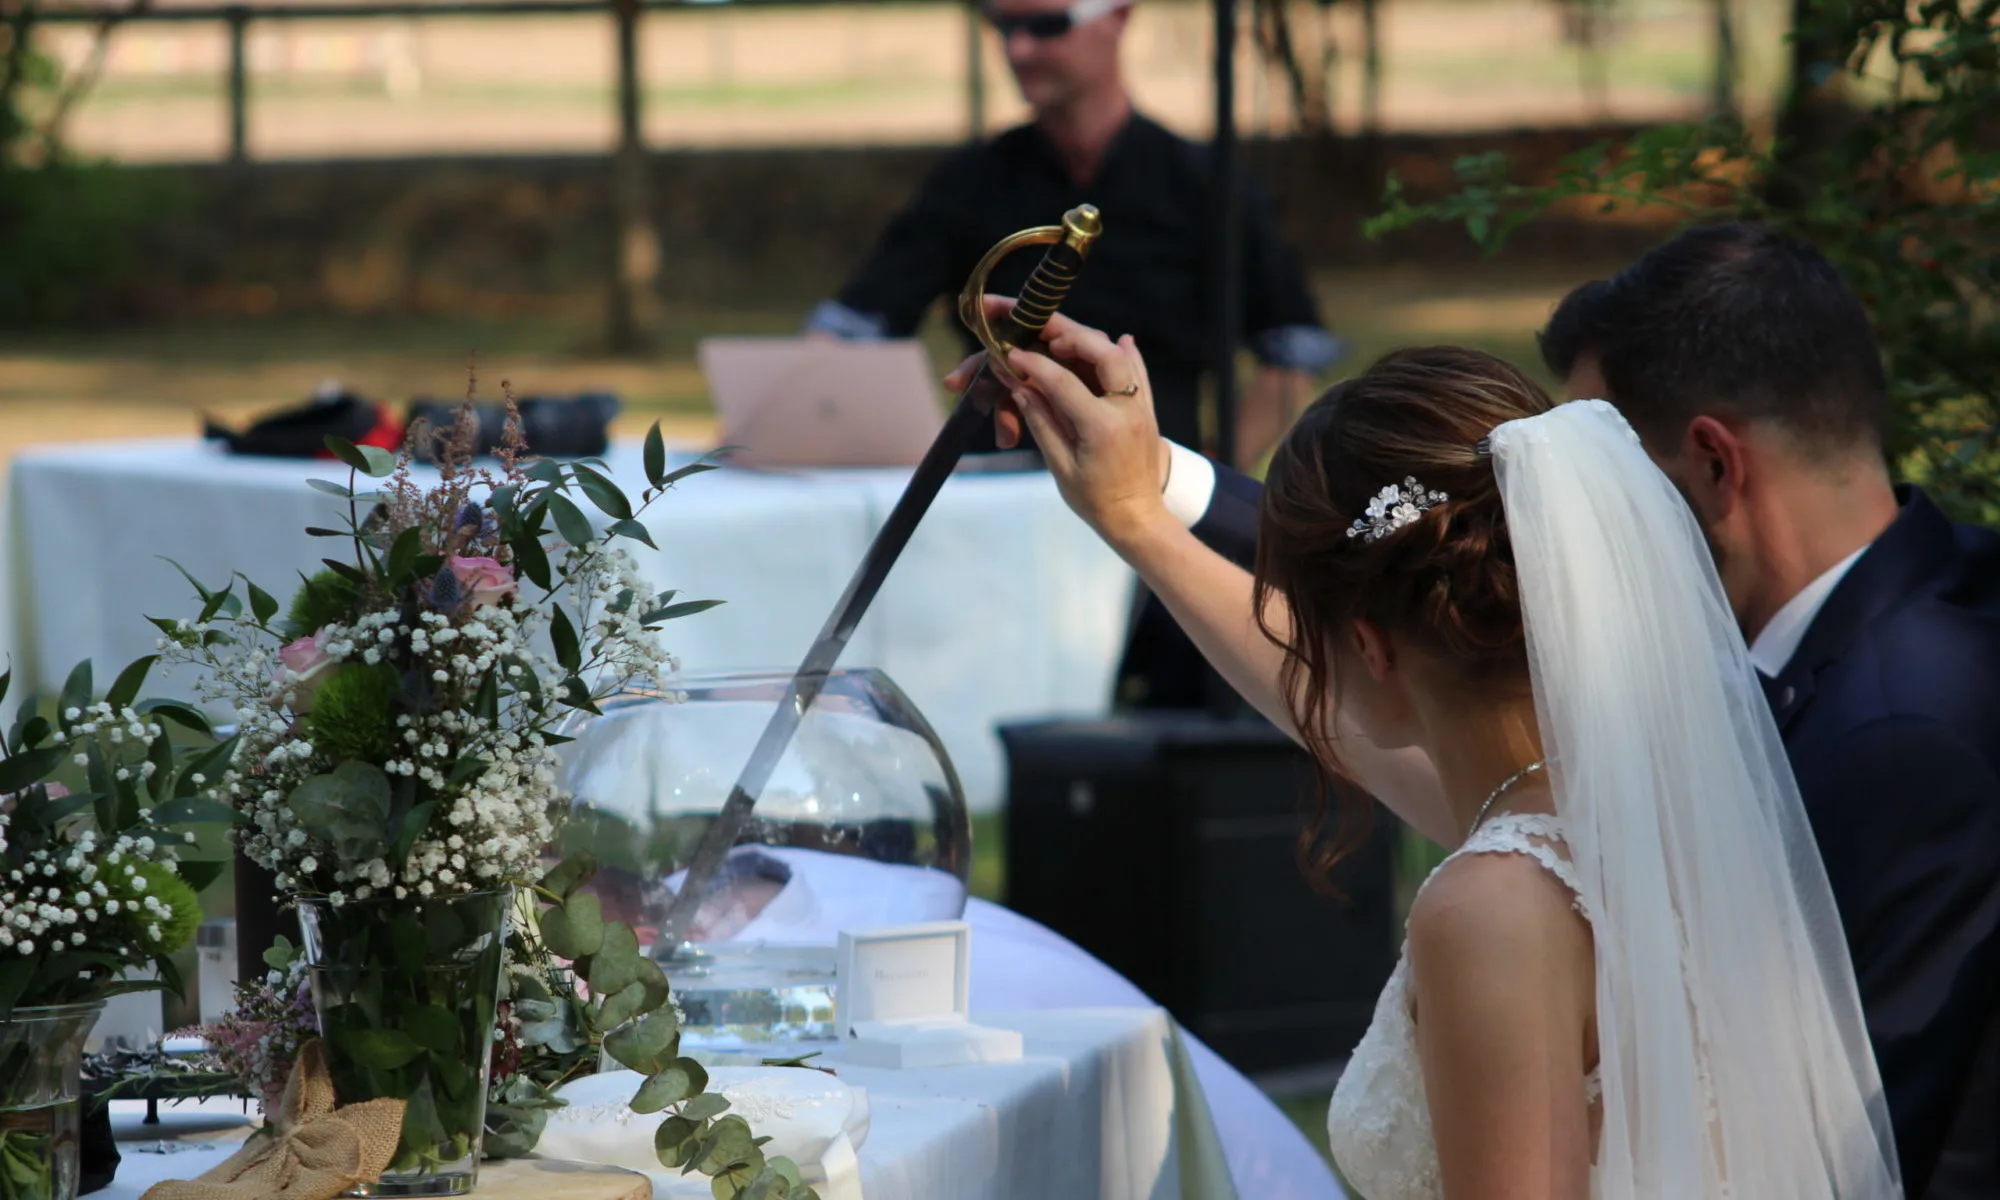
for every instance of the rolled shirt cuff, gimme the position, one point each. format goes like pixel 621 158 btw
pixel 833 317
pixel 1190 484
pixel 1305 348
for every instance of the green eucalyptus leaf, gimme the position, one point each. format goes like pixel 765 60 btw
pixel 372 461
pixel 673 1140
pixel 614 966
pixel 705 1105
pixel 576 928
pixel 622 1007
pixel 670 1086
pixel 571 873
pixel 331 488
pixel 647 1043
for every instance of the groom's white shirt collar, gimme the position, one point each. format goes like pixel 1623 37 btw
pixel 1191 486
pixel 1775 644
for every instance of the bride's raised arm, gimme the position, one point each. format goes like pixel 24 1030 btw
pixel 1091 410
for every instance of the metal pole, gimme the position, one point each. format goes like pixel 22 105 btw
pixel 239 86
pixel 635 255
pixel 975 70
pixel 1225 233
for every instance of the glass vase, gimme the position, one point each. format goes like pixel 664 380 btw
pixel 406 992
pixel 863 824
pixel 41 1119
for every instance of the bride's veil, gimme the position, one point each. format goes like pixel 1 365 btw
pixel 1734 1060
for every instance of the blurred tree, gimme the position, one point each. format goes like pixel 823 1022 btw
pixel 1310 64
pixel 69 231
pixel 1887 156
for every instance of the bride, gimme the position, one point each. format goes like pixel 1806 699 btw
pixel 1628 979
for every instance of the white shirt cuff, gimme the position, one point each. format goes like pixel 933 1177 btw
pixel 1190 484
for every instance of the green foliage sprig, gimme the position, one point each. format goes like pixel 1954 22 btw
pixel 625 1011
pixel 91 881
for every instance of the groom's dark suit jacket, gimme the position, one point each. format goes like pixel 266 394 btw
pixel 1890 712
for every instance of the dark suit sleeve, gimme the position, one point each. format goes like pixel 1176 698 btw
pixel 1229 527
pixel 1908 815
pixel 918 257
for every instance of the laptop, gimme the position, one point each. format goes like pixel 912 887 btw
pixel 811 402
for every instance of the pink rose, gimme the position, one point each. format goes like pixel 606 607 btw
pixel 305 666
pixel 483 581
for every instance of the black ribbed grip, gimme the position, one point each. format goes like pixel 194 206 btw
pixel 1041 296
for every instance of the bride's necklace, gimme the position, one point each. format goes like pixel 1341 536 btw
pixel 1496 793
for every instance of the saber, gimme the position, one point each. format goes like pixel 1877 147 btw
pixel 1068 245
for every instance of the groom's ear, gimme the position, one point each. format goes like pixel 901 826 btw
pixel 1714 464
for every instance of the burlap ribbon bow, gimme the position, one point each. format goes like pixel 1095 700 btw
pixel 315 1151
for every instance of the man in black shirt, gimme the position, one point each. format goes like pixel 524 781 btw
pixel 1148 275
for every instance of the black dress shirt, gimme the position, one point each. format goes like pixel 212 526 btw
pixel 1146 276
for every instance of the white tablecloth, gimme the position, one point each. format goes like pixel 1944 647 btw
pixel 1102 1105
pixel 1005 606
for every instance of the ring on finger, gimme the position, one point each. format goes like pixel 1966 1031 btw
pixel 1130 389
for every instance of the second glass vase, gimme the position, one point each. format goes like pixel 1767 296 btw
pixel 406 992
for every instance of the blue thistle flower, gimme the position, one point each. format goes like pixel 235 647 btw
pixel 445 594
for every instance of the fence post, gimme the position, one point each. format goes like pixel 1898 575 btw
pixel 975 70
pixel 635 258
pixel 239 85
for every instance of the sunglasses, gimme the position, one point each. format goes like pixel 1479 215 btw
pixel 1048 26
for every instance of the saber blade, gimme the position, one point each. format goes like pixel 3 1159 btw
pixel 1046 287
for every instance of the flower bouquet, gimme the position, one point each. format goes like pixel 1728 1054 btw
pixel 92 890
pixel 396 766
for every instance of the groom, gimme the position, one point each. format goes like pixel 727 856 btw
pixel 1752 374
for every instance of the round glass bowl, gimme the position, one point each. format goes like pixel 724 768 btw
pixel 863 825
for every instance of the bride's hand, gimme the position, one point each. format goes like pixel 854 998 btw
pixel 1090 405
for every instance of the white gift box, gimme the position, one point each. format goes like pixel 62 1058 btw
pixel 902 997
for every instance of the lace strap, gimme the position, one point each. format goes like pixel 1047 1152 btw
pixel 1536 835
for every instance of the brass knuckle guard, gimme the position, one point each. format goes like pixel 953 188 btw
pixel 1045 289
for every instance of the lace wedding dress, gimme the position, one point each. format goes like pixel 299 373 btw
pixel 1379 1124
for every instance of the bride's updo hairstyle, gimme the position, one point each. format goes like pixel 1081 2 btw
pixel 1444 582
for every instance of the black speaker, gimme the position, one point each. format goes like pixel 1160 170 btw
pixel 1166 845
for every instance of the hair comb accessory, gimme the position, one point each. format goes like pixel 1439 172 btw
pixel 1394 507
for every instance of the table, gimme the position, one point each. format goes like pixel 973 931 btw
pixel 1103 1104
pixel 1005 606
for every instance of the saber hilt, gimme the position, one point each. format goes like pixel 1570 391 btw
pixel 1068 245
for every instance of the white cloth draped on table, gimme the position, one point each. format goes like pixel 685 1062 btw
pixel 1004 606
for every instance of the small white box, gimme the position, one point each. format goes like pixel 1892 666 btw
pixel 902 996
